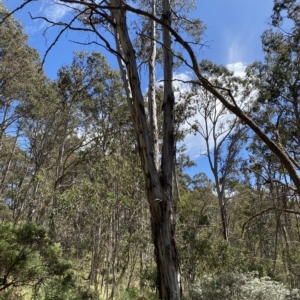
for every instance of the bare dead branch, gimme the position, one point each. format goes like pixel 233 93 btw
pixel 67 26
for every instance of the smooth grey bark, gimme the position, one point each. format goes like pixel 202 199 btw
pixel 152 89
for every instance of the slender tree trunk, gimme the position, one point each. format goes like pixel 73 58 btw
pixel 224 219
pixel 19 206
pixel 3 124
pixel 108 258
pixel 8 164
pixel 134 258
pixel 166 251
pixel 93 278
pixel 152 89
pixel 220 189
pixel 159 186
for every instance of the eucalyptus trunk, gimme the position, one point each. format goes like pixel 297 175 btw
pixel 152 88
pixel 159 183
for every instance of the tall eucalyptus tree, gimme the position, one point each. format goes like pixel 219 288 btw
pixel 222 134
pixel 19 66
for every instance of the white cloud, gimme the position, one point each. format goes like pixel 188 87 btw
pixel 180 81
pixel 196 145
pixel 53 11
pixel 194 142
pixel 237 68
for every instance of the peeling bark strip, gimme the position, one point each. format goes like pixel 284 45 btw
pixel 159 187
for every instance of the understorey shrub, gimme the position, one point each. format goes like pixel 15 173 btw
pixel 242 286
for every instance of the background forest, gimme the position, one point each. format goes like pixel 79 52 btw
pixel 74 212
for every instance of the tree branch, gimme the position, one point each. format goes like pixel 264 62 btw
pixel 266 210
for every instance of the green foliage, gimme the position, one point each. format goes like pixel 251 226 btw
pixel 19 63
pixel 135 294
pixel 239 286
pixel 66 288
pixel 148 277
pixel 20 248
pixel 29 259
pixel 223 258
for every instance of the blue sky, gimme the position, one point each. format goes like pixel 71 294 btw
pixel 232 38
pixel 233 31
